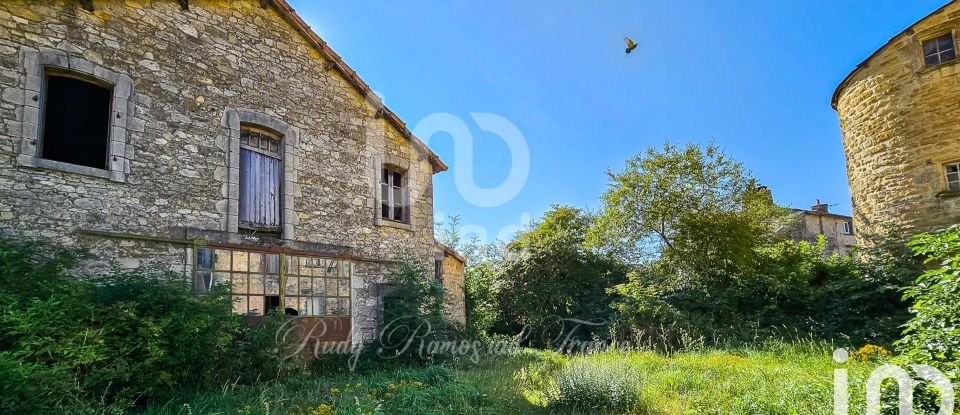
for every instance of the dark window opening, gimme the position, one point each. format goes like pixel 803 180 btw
pixel 271 303
pixel 939 50
pixel 393 196
pixel 438 270
pixel 76 122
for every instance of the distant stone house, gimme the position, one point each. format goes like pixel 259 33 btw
pixel 223 140
pixel 899 115
pixel 836 230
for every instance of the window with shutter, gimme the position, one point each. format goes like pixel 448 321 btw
pixel 260 180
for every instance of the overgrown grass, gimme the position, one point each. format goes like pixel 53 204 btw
pixel 773 379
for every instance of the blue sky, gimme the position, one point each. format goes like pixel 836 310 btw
pixel 754 76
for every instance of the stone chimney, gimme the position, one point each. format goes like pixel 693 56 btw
pixel 819 207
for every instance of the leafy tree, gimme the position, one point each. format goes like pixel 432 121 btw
pixel 549 274
pixel 692 203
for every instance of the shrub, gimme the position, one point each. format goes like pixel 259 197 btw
pixel 604 386
pixel 120 337
pixel 413 313
pixel 932 336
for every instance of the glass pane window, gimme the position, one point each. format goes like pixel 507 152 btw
pixel 939 50
pixel 393 196
pixel 953 177
pixel 305 286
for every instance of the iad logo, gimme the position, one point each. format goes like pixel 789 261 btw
pixel 905 385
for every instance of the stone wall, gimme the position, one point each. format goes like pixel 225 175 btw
pixel 814 224
pixel 453 272
pixel 170 166
pixel 899 121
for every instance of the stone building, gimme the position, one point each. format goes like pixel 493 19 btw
pixel 899 113
pixel 837 230
pixel 221 140
pixel 450 267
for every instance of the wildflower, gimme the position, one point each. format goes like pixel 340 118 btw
pixel 334 391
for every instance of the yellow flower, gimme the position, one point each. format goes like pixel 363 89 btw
pixel 872 352
pixel 334 391
pixel 392 387
pixel 359 385
pixel 388 395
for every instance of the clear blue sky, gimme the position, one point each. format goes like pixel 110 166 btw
pixel 755 76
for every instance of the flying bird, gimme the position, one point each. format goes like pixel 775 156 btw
pixel 631 45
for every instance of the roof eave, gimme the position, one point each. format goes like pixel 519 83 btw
pixel 836 93
pixel 288 13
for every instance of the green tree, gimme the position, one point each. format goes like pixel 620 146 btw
pixel 549 274
pixel 693 204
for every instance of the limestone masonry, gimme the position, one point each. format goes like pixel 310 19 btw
pixel 900 117
pixel 192 92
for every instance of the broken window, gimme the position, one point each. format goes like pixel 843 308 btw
pixel 260 178
pixel 393 196
pixel 76 121
pixel 305 286
pixel 939 50
pixel 953 176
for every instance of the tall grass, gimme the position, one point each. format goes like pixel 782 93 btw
pixel 772 378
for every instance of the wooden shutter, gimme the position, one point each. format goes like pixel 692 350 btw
pixel 260 178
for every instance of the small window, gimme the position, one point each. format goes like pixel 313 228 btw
pixel 260 179
pixel 76 121
pixel 939 50
pixel 848 228
pixel 953 176
pixel 393 196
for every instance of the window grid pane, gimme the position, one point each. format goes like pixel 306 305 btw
pixel 312 286
pixel 953 176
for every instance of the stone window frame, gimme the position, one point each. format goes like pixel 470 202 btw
pixel 946 178
pixel 935 33
pixel 388 161
pixel 34 65
pixel 290 138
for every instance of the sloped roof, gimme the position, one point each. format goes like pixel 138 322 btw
pixel 861 65
pixel 450 251
pixel 291 16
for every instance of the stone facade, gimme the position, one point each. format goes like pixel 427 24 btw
pixel 452 270
pixel 899 118
pixel 837 230
pixel 184 81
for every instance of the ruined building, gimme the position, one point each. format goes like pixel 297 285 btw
pixel 221 140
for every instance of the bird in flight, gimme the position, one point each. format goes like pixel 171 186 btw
pixel 631 45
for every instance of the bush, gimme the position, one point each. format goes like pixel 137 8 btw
pixel 586 386
pixel 932 336
pixel 119 338
pixel 413 313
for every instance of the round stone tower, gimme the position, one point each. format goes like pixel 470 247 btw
pixel 900 119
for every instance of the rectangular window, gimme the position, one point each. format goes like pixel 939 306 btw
pixel 953 176
pixel 304 286
pixel 260 178
pixel 393 196
pixel 76 121
pixel 848 228
pixel 438 270
pixel 939 50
